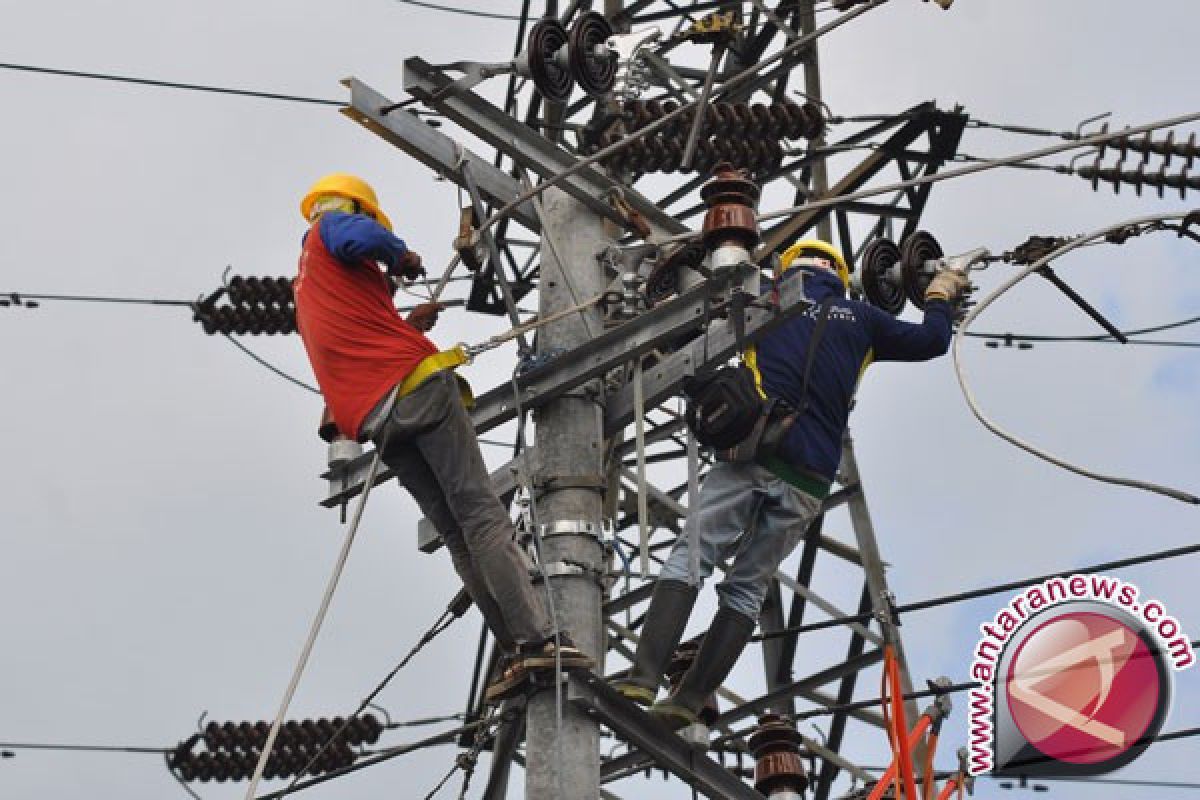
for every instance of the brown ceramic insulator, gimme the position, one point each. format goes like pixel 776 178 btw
pixel 776 746
pixel 730 197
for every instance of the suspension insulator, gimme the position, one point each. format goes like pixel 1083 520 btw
pixel 778 768
pixel 546 55
pixel 1159 180
pixel 593 64
pixel 881 276
pixel 915 250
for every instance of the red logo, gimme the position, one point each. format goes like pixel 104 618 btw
pixel 1085 688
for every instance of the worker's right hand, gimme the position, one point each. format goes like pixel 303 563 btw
pixel 424 316
pixel 409 267
pixel 949 285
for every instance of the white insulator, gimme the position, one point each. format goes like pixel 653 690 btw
pixel 343 451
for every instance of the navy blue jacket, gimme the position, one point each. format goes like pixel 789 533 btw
pixel 855 334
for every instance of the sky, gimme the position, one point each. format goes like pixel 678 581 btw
pixel 163 550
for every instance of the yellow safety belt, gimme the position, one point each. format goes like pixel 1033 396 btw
pixel 431 365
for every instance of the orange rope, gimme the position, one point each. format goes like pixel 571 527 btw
pixel 930 782
pixel 892 670
pixel 890 775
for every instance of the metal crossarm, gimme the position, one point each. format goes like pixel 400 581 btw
pixel 670 752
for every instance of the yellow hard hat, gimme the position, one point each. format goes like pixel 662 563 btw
pixel 351 187
pixel 818 249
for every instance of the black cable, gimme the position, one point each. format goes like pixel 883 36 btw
pixel 1110 781
pixel 260 360
pixel 441 738
pixel 467 12
pixel 977 593
pixel 1099 337
pixel 87 748
pixel 17 297
pixel 457 607
pixel 192 87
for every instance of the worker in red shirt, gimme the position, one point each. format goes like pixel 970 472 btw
pixel 383 380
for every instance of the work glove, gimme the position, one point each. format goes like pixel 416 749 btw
pixel 949 285
pixel 409 267
pixel 424 316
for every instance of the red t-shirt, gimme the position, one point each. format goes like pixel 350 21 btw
pixel 358 344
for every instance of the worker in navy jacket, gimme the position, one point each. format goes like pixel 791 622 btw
pixel 755 513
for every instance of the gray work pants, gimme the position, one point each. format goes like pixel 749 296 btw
pixel 747 513
pixel 431 447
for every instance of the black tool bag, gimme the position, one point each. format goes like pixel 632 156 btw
pixel 727 413
pixel 723 408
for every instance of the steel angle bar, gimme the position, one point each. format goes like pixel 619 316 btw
pixel 434 149
pixel 944 130
pixel 507 739
pixel 815 681
pixel 712 348
pixel 525 146
pixel 668 751
pixel 829 608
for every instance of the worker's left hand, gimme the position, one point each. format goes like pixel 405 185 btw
pixel 949 285
pixel 409 267
pixel 424 316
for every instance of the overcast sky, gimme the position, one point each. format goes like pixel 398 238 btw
pixel 162 546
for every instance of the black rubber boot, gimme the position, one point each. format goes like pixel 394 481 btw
pixel 670 608
pixel 722 645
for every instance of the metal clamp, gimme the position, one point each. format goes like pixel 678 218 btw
pixel 570 527
pixel 569 568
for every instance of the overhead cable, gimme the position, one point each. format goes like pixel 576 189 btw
pixel 960 369
pixel 262 361
pixel 974 594
pixel 457 607
pixel 87 748
pixel 467 12
pixel 191 87
pixel 319 618
pixel 1003 161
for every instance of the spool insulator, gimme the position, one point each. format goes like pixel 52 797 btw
pixel 778 767
pixel 731 198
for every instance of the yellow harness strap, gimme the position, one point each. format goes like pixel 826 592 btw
pixel 431 365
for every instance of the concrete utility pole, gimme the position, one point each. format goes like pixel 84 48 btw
pixel 564 760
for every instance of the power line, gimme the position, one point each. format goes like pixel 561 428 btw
pixel 191 87
pixel 18 298
pixel 260 360
pixel 1100 338
pixel 975 594
pixel 86 748
pixel 467 12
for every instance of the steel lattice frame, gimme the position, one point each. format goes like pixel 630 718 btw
pixel 529 141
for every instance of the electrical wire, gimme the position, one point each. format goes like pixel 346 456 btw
pixel 1004 161
pixel 260 360
pixel 968 395
pixel 87 748
pixel 16 298
pixel 1099 337
pixel 466 12
pixel 191 87
pixel 319 618
pixel 442 623
pixel 975 594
